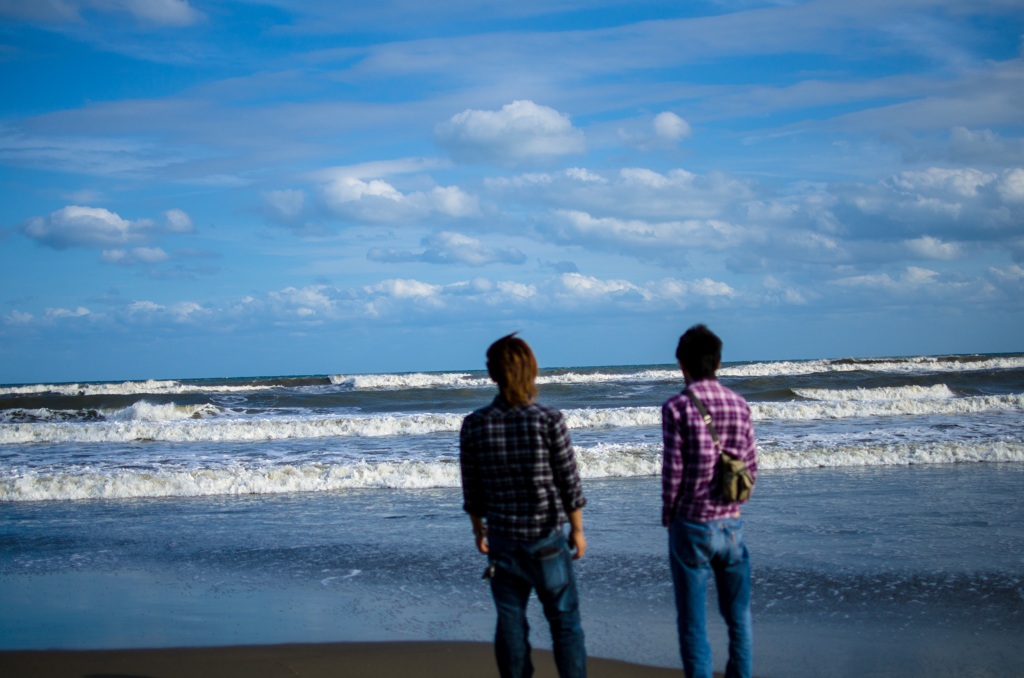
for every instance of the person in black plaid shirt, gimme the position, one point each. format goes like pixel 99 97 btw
pixel 520 485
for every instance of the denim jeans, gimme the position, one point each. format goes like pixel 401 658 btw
pixel 546 566
pixel 695 551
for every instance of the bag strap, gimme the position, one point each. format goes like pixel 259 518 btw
pixel 707 417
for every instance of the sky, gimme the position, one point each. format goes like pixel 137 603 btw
pixel 193 188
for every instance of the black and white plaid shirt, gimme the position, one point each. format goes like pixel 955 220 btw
pixel 519 469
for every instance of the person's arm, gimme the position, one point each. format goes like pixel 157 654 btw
pixel 480 533
pixel 671 461
pixel 577 541
pixel 474 498
pixel 562 460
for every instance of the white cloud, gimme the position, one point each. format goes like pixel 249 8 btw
pixel 671 127
pixel 314 299
pixel 173 13
pixel 959 204
pixel 16 317
pixel 285 206
pixel 186 311
pixel 137 255
pixel 396 299
pixel 404 289
pixel 580 287
pixel 150 312
pixel 632 192
pixel 911 279
pixel 361 193
pixel 1012 273
pixel 664 130
pixel 703 287
pixel 933 248
pixel 353 189
pixel 58 313
pixel 78 226
pixel 971 147
pixel 1011 186
pixel 961 182
pixel 515 292
pixel 450 248
pixel 453 201
pixel 160 12
pixel 521 131
pixel 84 227
pixel 85 151
pixel 178 221
pixel 646 239
pixel 585 175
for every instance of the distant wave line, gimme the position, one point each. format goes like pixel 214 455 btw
pixel 559 376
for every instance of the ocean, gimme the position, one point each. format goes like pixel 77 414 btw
pixel 886 530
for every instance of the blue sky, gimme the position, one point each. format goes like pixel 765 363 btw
pixel 264 187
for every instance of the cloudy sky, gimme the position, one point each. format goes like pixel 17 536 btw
pixel 196 188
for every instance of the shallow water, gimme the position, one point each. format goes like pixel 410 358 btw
pixel 900 571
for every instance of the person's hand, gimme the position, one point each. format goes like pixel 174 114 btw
pixel 481 542
pixel 577 543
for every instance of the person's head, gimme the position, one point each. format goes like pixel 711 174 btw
pixel 699 352
pixel 511 364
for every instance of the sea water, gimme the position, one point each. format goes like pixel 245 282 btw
pixel 886 531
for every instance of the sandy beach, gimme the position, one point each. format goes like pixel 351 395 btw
pixel 426 660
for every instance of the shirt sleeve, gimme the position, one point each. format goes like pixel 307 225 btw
pixel 473 495
pixel 749 451
pixel 565 474
pixel 671 460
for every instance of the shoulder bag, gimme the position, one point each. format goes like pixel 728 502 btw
pixel 735 482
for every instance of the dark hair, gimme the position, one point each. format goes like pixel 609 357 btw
pixel 699 352
pixel 511 364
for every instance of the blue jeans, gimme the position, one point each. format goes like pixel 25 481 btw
pixel 544 565
pixel 695 551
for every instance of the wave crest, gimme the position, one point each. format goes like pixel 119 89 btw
pixel 599 461
pixel 937 392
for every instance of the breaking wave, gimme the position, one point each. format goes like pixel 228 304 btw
pixel 207 423
pixel 939 391
pixel 599 461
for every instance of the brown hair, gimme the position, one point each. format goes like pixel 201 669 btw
pixel 511 364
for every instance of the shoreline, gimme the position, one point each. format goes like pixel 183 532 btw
pixel 425 659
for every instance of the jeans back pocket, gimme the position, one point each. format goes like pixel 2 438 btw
pixel 553 563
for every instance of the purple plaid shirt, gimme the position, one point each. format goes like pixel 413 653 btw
pixel 519 469
pixel 690 455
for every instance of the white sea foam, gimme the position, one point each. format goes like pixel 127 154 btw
pixel 421 380
pixel 894 455
pixel 600 461
pixel 915 365
pixel 235 429
pixel 412 380
pixel 236 480
pixel 424 380
pixel 150 387
pixel 608 460
pixel 939 391
pixel 145 411
pixel 173 423
pixel 845 409
pixel 612 417
pixel 922 364
pixel 140 411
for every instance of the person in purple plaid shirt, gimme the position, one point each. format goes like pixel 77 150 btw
pixel 705 530
pixel 520 486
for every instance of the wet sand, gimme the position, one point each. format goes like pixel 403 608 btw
pixel 422 659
